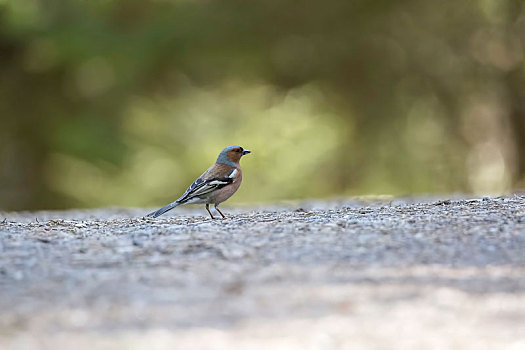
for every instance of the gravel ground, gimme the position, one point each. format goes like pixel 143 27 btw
pixel 405 274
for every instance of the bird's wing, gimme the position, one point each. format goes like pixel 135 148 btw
pixel 200 188
pixel 203 187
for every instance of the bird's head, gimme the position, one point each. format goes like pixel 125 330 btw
pixel 231 155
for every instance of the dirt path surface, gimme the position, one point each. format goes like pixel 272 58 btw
pixel 408 274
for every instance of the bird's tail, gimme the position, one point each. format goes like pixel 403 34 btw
pixel 163 210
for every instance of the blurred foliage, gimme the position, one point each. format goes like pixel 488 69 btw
pixel 109 102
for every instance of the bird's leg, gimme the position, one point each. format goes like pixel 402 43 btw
pixel 220 212
pixel 208 209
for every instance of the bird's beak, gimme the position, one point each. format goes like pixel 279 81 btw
pixel 245 152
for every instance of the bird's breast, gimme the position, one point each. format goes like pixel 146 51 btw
pixel 227 191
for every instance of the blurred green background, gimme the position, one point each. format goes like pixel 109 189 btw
pixel 107 102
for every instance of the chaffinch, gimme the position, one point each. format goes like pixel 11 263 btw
pixel 215 185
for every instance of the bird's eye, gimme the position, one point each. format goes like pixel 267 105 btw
pixel 237 150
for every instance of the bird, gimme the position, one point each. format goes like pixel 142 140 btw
pixel 215 185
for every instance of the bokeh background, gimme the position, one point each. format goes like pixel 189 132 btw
pixel 124 103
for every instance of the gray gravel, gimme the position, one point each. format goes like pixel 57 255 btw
pixel 408 273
